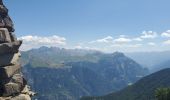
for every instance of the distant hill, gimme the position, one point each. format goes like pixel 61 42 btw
pixel 62 74
pixel 142 90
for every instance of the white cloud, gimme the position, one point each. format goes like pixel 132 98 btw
pixel 127 45
pixel 138 39
pixel 122 36
pixel 167 42
pixel 44 40
pixel 148 35
pixel 122 40
pixel 30 41
pixel 166 34
pixel 86 48
pixel 134 45
pixel 116 45
pixel 151 43
pixel 78 47
pixel 107 39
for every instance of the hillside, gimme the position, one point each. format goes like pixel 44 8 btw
pixel 66 83
pixel 142 90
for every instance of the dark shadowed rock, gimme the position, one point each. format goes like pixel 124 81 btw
pixel 8 71
pixel 3 11
pixel 10 47
pixel 9 59
pixel 1 3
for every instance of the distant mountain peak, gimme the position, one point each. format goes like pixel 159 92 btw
pixel 118 54
pixel 43 47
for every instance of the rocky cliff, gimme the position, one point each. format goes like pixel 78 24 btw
pixel 12 84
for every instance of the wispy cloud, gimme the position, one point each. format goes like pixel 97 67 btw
pixel 166 34
pixel 78 47
pixel 167 42
pixel 107 39
pixel 137 39
pixel 145 41
pixel 30 41
pixel 126 45
pixel 134 45
pixel 148 35
pixel 44 40
pixel 152 44
pixel 122 40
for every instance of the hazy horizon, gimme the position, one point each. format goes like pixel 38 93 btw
pixel 96 50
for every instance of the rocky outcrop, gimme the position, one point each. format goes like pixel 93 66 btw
pixel 12 84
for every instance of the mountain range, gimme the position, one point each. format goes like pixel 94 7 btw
pixel 69 74
pixel 57 56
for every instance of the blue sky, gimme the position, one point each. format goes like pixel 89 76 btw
pixel 107 25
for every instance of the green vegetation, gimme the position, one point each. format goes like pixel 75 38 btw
pixel 163 94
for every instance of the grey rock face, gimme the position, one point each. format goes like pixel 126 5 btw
pixel 9 71
pixel 12 83
pixel 9 59
pixel 4 35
